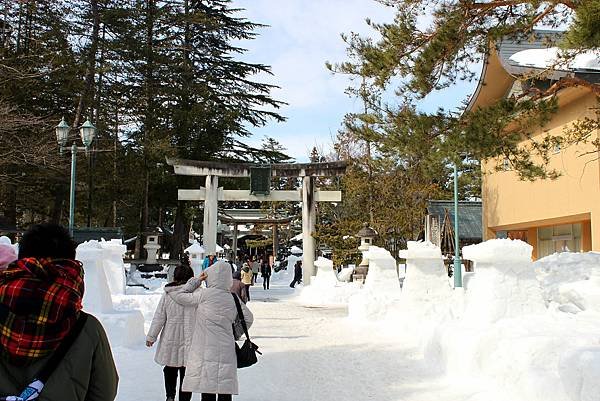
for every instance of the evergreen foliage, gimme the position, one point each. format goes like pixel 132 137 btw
pixel 157 78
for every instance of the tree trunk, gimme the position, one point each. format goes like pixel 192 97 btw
pixel 181 231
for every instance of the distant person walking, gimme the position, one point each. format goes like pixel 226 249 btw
pixel 174 323
pixel 265 271
pixel 255 269
pixel 238 288
pixel 297 274
pixel 212 362
pixel 40 305
pixel 246 279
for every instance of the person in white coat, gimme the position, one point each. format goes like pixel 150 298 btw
pixel 174 323
pixel 212 363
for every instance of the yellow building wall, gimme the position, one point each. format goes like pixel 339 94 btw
pixel 511 204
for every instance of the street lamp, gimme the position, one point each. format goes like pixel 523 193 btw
pixel 87 133
pixel 457 263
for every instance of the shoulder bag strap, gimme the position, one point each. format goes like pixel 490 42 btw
pixel 241 315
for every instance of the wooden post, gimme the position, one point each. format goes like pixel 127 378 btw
pixel 275 241
pixel 235 237
pixel 308 227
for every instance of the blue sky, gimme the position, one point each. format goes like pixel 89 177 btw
pixel 302 35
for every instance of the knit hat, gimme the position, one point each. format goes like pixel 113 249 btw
pixel 7 255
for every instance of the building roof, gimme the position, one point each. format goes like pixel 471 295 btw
pixel 515 54
pixel 469 213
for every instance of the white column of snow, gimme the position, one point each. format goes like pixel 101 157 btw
pixel 504 284
pixel 123 328
pixel 96 298
pixel 114 268
pixel 380 296
pixel 426 291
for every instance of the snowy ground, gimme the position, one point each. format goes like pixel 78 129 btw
pixel 517 331
pixel 309 354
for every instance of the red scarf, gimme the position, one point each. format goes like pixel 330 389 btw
pixel 40 300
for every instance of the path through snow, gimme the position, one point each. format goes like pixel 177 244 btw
pixel 310 354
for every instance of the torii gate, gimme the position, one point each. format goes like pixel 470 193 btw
pixel 308 195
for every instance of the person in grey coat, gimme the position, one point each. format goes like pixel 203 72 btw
pixel 174 323
pixel 211 362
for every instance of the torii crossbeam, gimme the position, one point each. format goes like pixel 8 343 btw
pixel 308 195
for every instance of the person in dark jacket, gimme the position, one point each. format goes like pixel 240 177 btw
pixel 297 274
pixel 265 272
pixel 40 301
pixel 238 287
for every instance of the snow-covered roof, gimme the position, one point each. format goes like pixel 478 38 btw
pixel 551 58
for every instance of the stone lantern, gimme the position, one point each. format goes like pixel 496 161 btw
pixel 366 235
pixel 151 248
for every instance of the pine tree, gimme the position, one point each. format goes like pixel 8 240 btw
pixel 426 57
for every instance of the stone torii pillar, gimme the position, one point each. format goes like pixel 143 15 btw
pixel 309 220
pixel 210 214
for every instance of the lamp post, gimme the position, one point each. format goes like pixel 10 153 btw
pixel 457 263
pixel 87 133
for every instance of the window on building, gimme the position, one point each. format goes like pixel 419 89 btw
pixel 506 164
pixel 560 238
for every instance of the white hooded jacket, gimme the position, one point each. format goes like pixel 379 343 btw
pixel 175 324
pixel 211 361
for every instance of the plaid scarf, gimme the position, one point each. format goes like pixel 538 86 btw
pixel 40 300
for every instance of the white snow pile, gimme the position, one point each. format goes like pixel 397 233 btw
pixel 102 278
pixel 554 57
pixel 570 281
pixel 507 336
pixel 380 296
pixel 324 288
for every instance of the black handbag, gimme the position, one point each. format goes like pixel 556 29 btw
pixel 246 354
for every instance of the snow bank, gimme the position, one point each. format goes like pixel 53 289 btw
pixel 507 335
pixel 571 280
pixel 123 327
pixel 380 295
pixel 324 288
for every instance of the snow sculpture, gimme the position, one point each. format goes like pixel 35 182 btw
pixel 380 295
pixel 426 290
pixel 325 289
pixel 124 328
pixel 114 267
pixel 504 284
pixel 196 252
pixel 96 298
